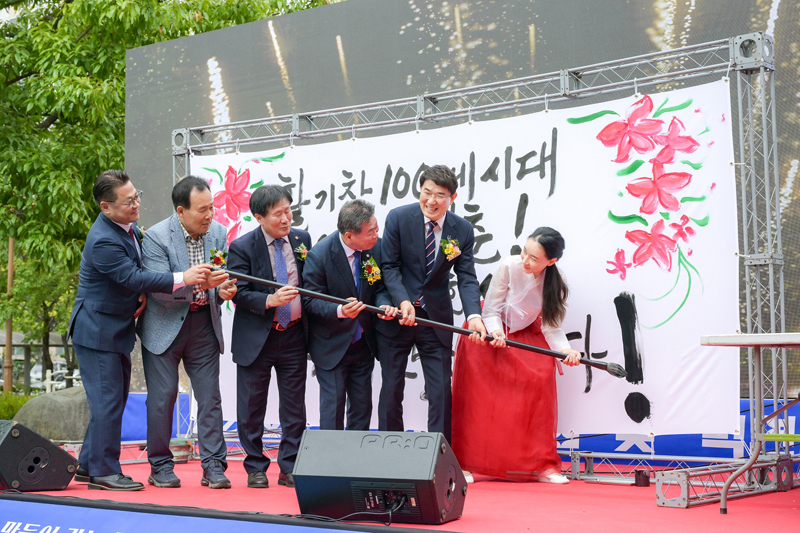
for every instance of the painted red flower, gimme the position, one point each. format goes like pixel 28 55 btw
pixel 636 132
pixel 619 264
pixel 654 245
pixel 673 142
pixel 682 231
pixel 235 197
pixel 233 232
pixel 221 216
pixel 658 189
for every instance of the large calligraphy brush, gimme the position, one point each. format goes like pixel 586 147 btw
pixel 612 368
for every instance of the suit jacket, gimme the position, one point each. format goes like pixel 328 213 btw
pixel 327 271
pixel 109 284
pixel 164 250
pixel 252 321
pixel 403 254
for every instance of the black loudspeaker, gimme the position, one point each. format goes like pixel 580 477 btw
pixel 416 475
pixel 30 462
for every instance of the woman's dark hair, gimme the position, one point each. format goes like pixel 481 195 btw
pixel 554 298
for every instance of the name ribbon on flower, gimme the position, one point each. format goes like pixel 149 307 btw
pixel 218 258
pixel 370 270
pixel 302 251
pixel 450 248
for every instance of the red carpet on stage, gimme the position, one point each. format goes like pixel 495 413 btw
pixel 490 505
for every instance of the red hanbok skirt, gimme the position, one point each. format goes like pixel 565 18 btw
pixel 505 408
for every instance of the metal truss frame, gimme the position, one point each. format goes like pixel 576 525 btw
pixel 748 58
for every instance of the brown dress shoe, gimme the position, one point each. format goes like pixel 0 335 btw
pixel 286 479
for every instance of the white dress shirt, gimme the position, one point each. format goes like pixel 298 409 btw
pixel 514 301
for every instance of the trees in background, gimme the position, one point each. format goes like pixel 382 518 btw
pixel 62 122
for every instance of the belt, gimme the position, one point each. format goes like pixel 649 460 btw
pixel 194 307
pixel 278 327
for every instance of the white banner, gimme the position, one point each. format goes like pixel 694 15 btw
pixel 643 190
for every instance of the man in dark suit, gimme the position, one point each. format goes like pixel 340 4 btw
pixel 269 332
pixel 341 338
pixel 185 326
pixel 110 296
pixel 421 245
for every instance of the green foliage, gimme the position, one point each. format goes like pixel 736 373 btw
pixel 10 404
pixel 62 122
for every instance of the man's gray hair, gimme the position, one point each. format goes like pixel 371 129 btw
pixel 353 215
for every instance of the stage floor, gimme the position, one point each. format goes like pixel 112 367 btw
pixel 491 505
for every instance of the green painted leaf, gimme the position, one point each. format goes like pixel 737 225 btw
pixel 627 219
pixel 661 109
pixel 630 169
pixel 593 116
pixel 257 184
pixel 702 222
pixel 664 215
pixel 215 171
pixel 693 199
pixel 705 131
pixel 696 166
pixel 248 218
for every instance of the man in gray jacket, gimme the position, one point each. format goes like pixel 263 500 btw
pixel 185 326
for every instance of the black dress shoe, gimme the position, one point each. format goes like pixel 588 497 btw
pixel 114 482
pixel 286 479
pixel 257 480
pixel 81 475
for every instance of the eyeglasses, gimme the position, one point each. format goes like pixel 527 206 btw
pixel 137 199
pixel 438 196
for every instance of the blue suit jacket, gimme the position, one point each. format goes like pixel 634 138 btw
pixel 403 251
pixel 109 284
pixel 327 271
pixel 164 250
pixel 252 321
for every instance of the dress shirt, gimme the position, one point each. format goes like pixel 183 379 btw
pixel 196 250
pixel 291 269
pixel 514 301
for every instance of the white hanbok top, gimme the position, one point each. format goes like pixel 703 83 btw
pixel 514 301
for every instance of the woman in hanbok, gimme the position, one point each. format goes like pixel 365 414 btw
pixel 504 399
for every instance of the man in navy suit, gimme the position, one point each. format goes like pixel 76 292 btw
pixel 341 338
pixel 185 326
pixel 111 294
pixel 269 332
pixel 421 245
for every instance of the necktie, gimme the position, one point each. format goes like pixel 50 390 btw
pixel 430 248
pixel 430 253
pixel 357 274
pixel 135 242
pixel 283 314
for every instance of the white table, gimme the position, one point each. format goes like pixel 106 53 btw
pixel 756 341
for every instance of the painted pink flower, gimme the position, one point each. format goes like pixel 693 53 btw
pixel 658 189
pixel 233 232
pixel 235 197
pixel 654 245
pixel 619 264
pixel 682 230
pixel 636 132
pixel 221 216
pixel 673 142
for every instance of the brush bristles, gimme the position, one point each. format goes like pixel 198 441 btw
pixel 616 370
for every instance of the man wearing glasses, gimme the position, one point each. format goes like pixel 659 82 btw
pixel 111 295
pixel 420 246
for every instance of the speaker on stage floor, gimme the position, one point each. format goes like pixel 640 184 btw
pixel 30 462
pixel 416 475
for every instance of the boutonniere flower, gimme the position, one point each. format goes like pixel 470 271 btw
pixel 450 248
pixel 218 258
pixel 302 251
pixel 370 270
pixel 140 233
